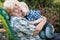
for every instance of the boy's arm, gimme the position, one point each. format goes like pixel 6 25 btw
pixel 37 21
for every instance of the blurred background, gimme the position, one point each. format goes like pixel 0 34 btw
pixel 48 8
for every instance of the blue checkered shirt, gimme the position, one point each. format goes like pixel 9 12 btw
pixel 33 15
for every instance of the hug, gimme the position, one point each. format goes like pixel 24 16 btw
pixel 28 24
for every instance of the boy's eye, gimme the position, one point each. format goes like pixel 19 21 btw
pixel 21 11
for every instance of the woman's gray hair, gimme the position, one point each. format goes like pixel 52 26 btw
pixel 9 4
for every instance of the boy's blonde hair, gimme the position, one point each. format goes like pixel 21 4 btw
pixel 24 7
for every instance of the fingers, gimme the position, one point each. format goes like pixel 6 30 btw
pixel 2 30
pixel 36 33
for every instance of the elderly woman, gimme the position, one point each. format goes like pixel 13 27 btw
pixel 10 5
pixel 24 30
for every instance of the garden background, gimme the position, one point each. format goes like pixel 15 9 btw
pixel 49 8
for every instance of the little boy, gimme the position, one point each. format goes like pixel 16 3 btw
pixel 43 28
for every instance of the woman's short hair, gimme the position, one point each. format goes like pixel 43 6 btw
pixel 9 4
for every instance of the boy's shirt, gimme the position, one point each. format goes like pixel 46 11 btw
pixel 33 15
pixel 23 29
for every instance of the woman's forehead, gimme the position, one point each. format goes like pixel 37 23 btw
pixel 8 4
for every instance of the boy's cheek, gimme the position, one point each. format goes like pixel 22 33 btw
pixel 24 14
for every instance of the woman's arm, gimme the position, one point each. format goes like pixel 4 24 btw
pixel 23 28
pixel 40 26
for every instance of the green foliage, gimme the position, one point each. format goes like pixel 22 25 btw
pixel 2 0
pixel 52 15
pixel 34 4
pixel 31 3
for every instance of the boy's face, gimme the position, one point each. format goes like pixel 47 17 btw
pixel 24 14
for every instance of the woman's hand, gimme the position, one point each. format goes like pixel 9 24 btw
pixel 36 32
pixel 31 22
pixel 2 30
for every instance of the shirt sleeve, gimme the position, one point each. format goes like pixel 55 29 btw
pixel 22 26
pixel 36 14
